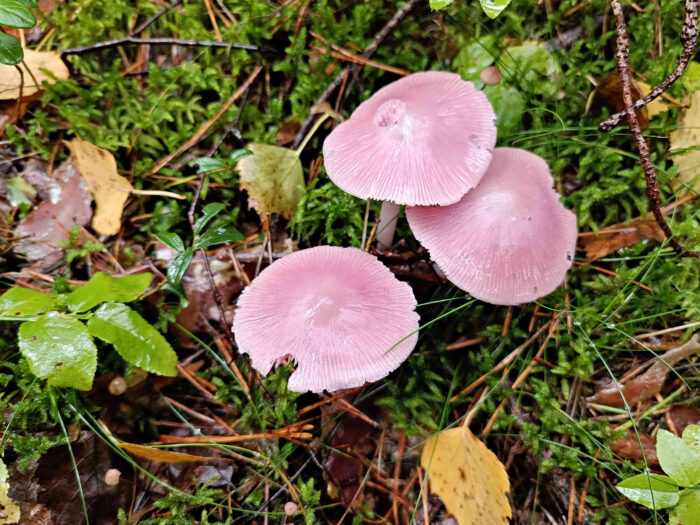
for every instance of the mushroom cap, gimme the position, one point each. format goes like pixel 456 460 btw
pixel 424 139
pixel 338 312
pixel 508 241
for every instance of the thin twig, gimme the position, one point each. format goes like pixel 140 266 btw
pixel 135 41
pixel 621 55
pixel 21 89
pixel 689 40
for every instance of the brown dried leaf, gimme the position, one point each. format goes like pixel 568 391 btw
pixel 628 448
pixel 682 416
pixel 608 93
pixel 160 455
pixel 468 477
pixel 36 62
pixel 109 189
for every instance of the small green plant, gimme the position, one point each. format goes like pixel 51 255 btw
pixel 679 490
pixel 14 13
pixel 492 8
pixel 57 333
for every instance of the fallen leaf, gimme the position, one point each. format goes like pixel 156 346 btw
pixel 273 178
pixel 41 231
pixel 468 477
pixel 109 189
pixel 608 93
pixel 656 106
pixel 10 509
pixel 159 454
pixel 627 447
pixel 687 136
pixel 682 416
pixel 648 384
pixel 287 132
pixel 45 66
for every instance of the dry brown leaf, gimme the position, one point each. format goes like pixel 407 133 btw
pixel 109 189
pixel 36 62
pixel 608 93
pixel 627 447
pixel 687 136
pixel 468 477
pixel 160 455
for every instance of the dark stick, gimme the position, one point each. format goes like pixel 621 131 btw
pixel 621 56
pixel 21 89
pixel 155 17
pixel 689 39
pixel 131 40
pixel 369 50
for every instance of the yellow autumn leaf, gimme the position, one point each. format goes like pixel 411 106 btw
pixel 159 454
pixel 10 509
pixel 43 65
pixel 686 136
pixel 468 477
pixel 273 178
pixel 109 189
pixel 656 106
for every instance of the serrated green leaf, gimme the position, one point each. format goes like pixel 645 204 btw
pixel 440 4
pixel 205 164
pixel 178 268
pixel 208 213
pixel 23 301
pixel 104 288
pixel 11 52
pixel 59 349
pixel 688 510
pixel 13 13
pixel 652 491
pixel 134 338
pixel 493 8
pixel 678 459
pixel 691 436
pixel 218 235
pixel 172 240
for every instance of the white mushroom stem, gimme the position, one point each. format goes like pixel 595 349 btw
pixel 387 224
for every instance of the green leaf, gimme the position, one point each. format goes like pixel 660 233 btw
pixel 238 154
pixel 104 288
pixel 208 213
pixel 13 13
pixel 20 191
pixel 218 235
pixel 59 349
pixel 678 459
pixel 172 240
pixel 205 164
pixel 178 268
pixel 28 3
pixel 273 178
pixel 509 106
pixel 136 341
pixel 652 491
pixel 688 510
pixel 691 436
pixel 475 56
pixel 493 8
pixel 10 50
pixel 440 4
pixel 23 301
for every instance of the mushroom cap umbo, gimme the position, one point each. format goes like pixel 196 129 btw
pixel 508 241
pixel 339 313
pixel 424 139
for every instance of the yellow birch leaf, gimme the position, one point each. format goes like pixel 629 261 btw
pixel 656 106
pixel 109 189
pixel 10 509
pixel 687 136
pixel 273 178
pixel 36 62
pixel 468 477
pixel 159 454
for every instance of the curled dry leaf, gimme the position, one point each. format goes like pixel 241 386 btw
pixel 688 136
pixel 160 455
pixel 109 189
pixel 468 477
pixel 42 66
pixel 648 384
pixel 273 178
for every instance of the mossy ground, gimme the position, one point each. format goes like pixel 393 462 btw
pixel 143 116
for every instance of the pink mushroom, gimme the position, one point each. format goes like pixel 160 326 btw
pixel 424 139
pixel 339 313
pixel 509 240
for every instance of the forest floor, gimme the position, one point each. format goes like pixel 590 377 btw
pixel 548 411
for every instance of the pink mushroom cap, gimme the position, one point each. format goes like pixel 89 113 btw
pixel 339 313
pixel 424 139
pixel 508 241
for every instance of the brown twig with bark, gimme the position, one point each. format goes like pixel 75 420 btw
pixel 622 56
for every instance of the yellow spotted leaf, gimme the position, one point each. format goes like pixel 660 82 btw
pixel 468 477
pixel 273 178
pixel 37 67
pixel 109 189
pixel 159 454
pixel 688 136
pixel 10 509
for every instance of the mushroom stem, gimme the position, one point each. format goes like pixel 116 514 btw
pixel 387 224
